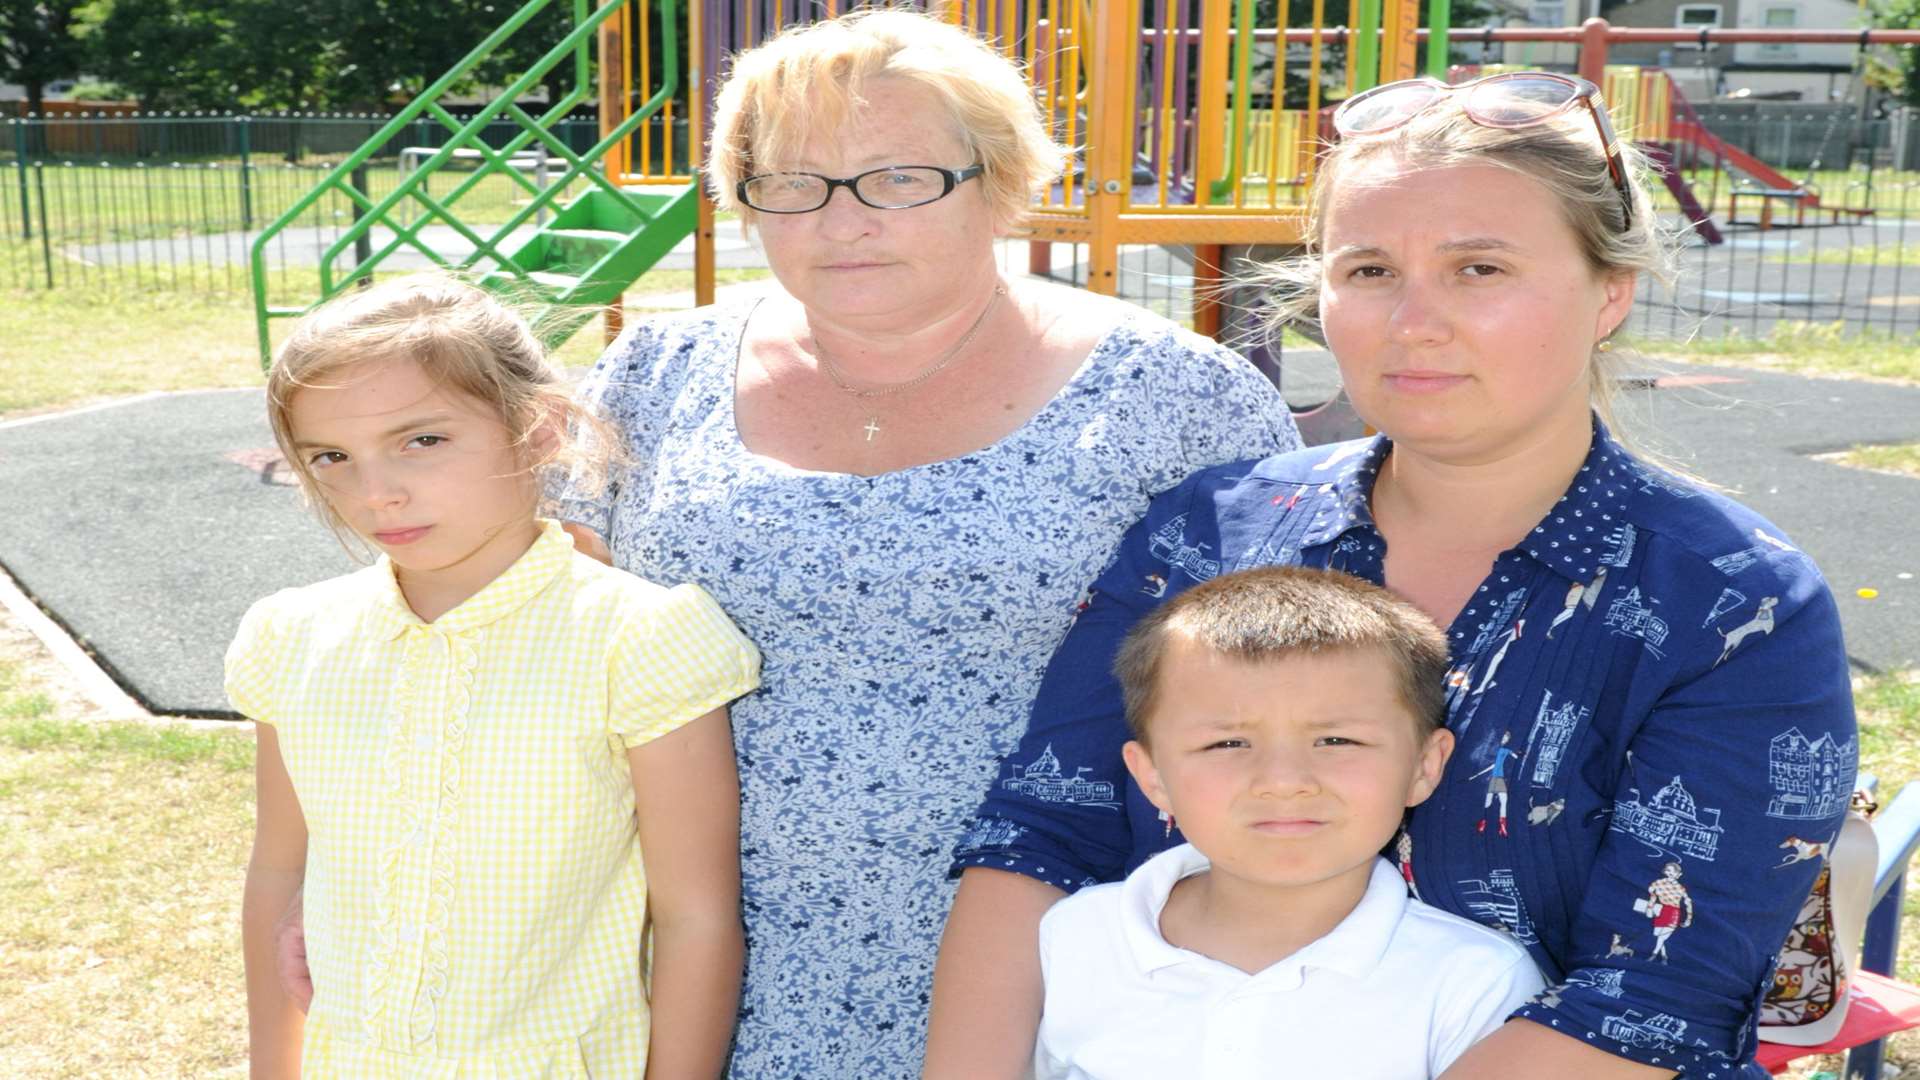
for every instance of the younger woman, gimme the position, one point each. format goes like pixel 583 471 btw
pixel 465 748
pixel 1472 251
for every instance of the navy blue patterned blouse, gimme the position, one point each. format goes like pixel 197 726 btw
pixel 1653 720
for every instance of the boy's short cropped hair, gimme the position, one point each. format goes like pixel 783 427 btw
pixel 1278 611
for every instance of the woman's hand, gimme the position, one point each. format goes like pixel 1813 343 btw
pixel 290 953
pixel 587 542
pixel 987 989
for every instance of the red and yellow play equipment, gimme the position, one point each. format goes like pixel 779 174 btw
pixel 1180 123
pixel 1194 125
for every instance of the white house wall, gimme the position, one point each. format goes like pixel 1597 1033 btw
pixel 1809 15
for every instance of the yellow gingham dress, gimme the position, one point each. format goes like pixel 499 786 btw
pixel 474 890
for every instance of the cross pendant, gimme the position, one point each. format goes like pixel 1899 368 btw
pixel 872 428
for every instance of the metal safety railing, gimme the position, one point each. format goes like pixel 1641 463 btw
pixel 634 47
pixel 175 200
pixel 465 140
pixel 1181 132
pixel 1168 146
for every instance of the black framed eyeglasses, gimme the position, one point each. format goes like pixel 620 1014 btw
pixel 891 187
pixel 1510 99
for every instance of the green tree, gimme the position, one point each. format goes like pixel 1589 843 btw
pixel 37 45
pixel 1896 69
pixel 527 46
pixel 272 61
pixel 387 51
pixel 355 55
pixel 169 54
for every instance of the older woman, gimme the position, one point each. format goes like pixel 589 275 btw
pixel 896 475
pixel 1648 679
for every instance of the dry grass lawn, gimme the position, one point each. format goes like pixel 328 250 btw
pixel 1826 349
pixel 1899 459
pixel 121 850
pixel 65 348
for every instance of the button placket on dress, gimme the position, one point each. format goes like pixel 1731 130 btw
pixel 462 663
pixel 407 969
pixel 389 963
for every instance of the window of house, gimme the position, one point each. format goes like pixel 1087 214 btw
pixel 1547 14
pixel 1777 17
pixel 1696 17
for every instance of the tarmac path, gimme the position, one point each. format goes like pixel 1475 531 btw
pixel 147 526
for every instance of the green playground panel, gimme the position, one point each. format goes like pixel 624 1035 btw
pixel 592 249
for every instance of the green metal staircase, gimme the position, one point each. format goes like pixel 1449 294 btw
pixel 592 250
pixel 594 247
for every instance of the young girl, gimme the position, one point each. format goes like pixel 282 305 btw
pixel 465 748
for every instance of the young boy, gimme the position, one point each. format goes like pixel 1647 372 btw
pixel 1285 719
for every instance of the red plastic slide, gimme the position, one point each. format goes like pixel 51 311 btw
pixel 1685 126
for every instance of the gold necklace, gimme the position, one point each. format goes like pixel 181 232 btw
pixel 872 426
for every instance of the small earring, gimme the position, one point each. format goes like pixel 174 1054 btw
pixel 1168 818
pixel 1606 345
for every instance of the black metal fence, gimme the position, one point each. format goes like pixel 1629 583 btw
pixel 185 138
pixel 1815 135
pixel 1849 266
pixel 177 200
pixel 228 137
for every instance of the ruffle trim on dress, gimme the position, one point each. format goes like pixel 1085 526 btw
pixel 436 809
pixel 386 910
pixel 441 879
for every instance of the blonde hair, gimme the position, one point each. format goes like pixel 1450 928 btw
pixel 464 339
pixel 1563 157
pixel 808 80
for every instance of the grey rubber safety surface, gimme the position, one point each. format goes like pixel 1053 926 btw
pixel 147 527
pixel 1762 438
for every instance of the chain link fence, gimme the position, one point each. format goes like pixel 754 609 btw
pixel 1852 262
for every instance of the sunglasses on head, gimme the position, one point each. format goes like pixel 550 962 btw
pixel 1513 99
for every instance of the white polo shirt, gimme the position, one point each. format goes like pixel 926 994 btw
pixel 1395 992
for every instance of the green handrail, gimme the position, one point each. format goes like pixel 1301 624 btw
pixel 493 161
pixel 1366 45
pixel 1222 188
pixel 1439 20
pixel 467 135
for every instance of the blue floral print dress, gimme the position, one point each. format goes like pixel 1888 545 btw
pixel 904 620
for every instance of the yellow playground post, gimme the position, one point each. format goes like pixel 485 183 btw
pixel 1177 111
